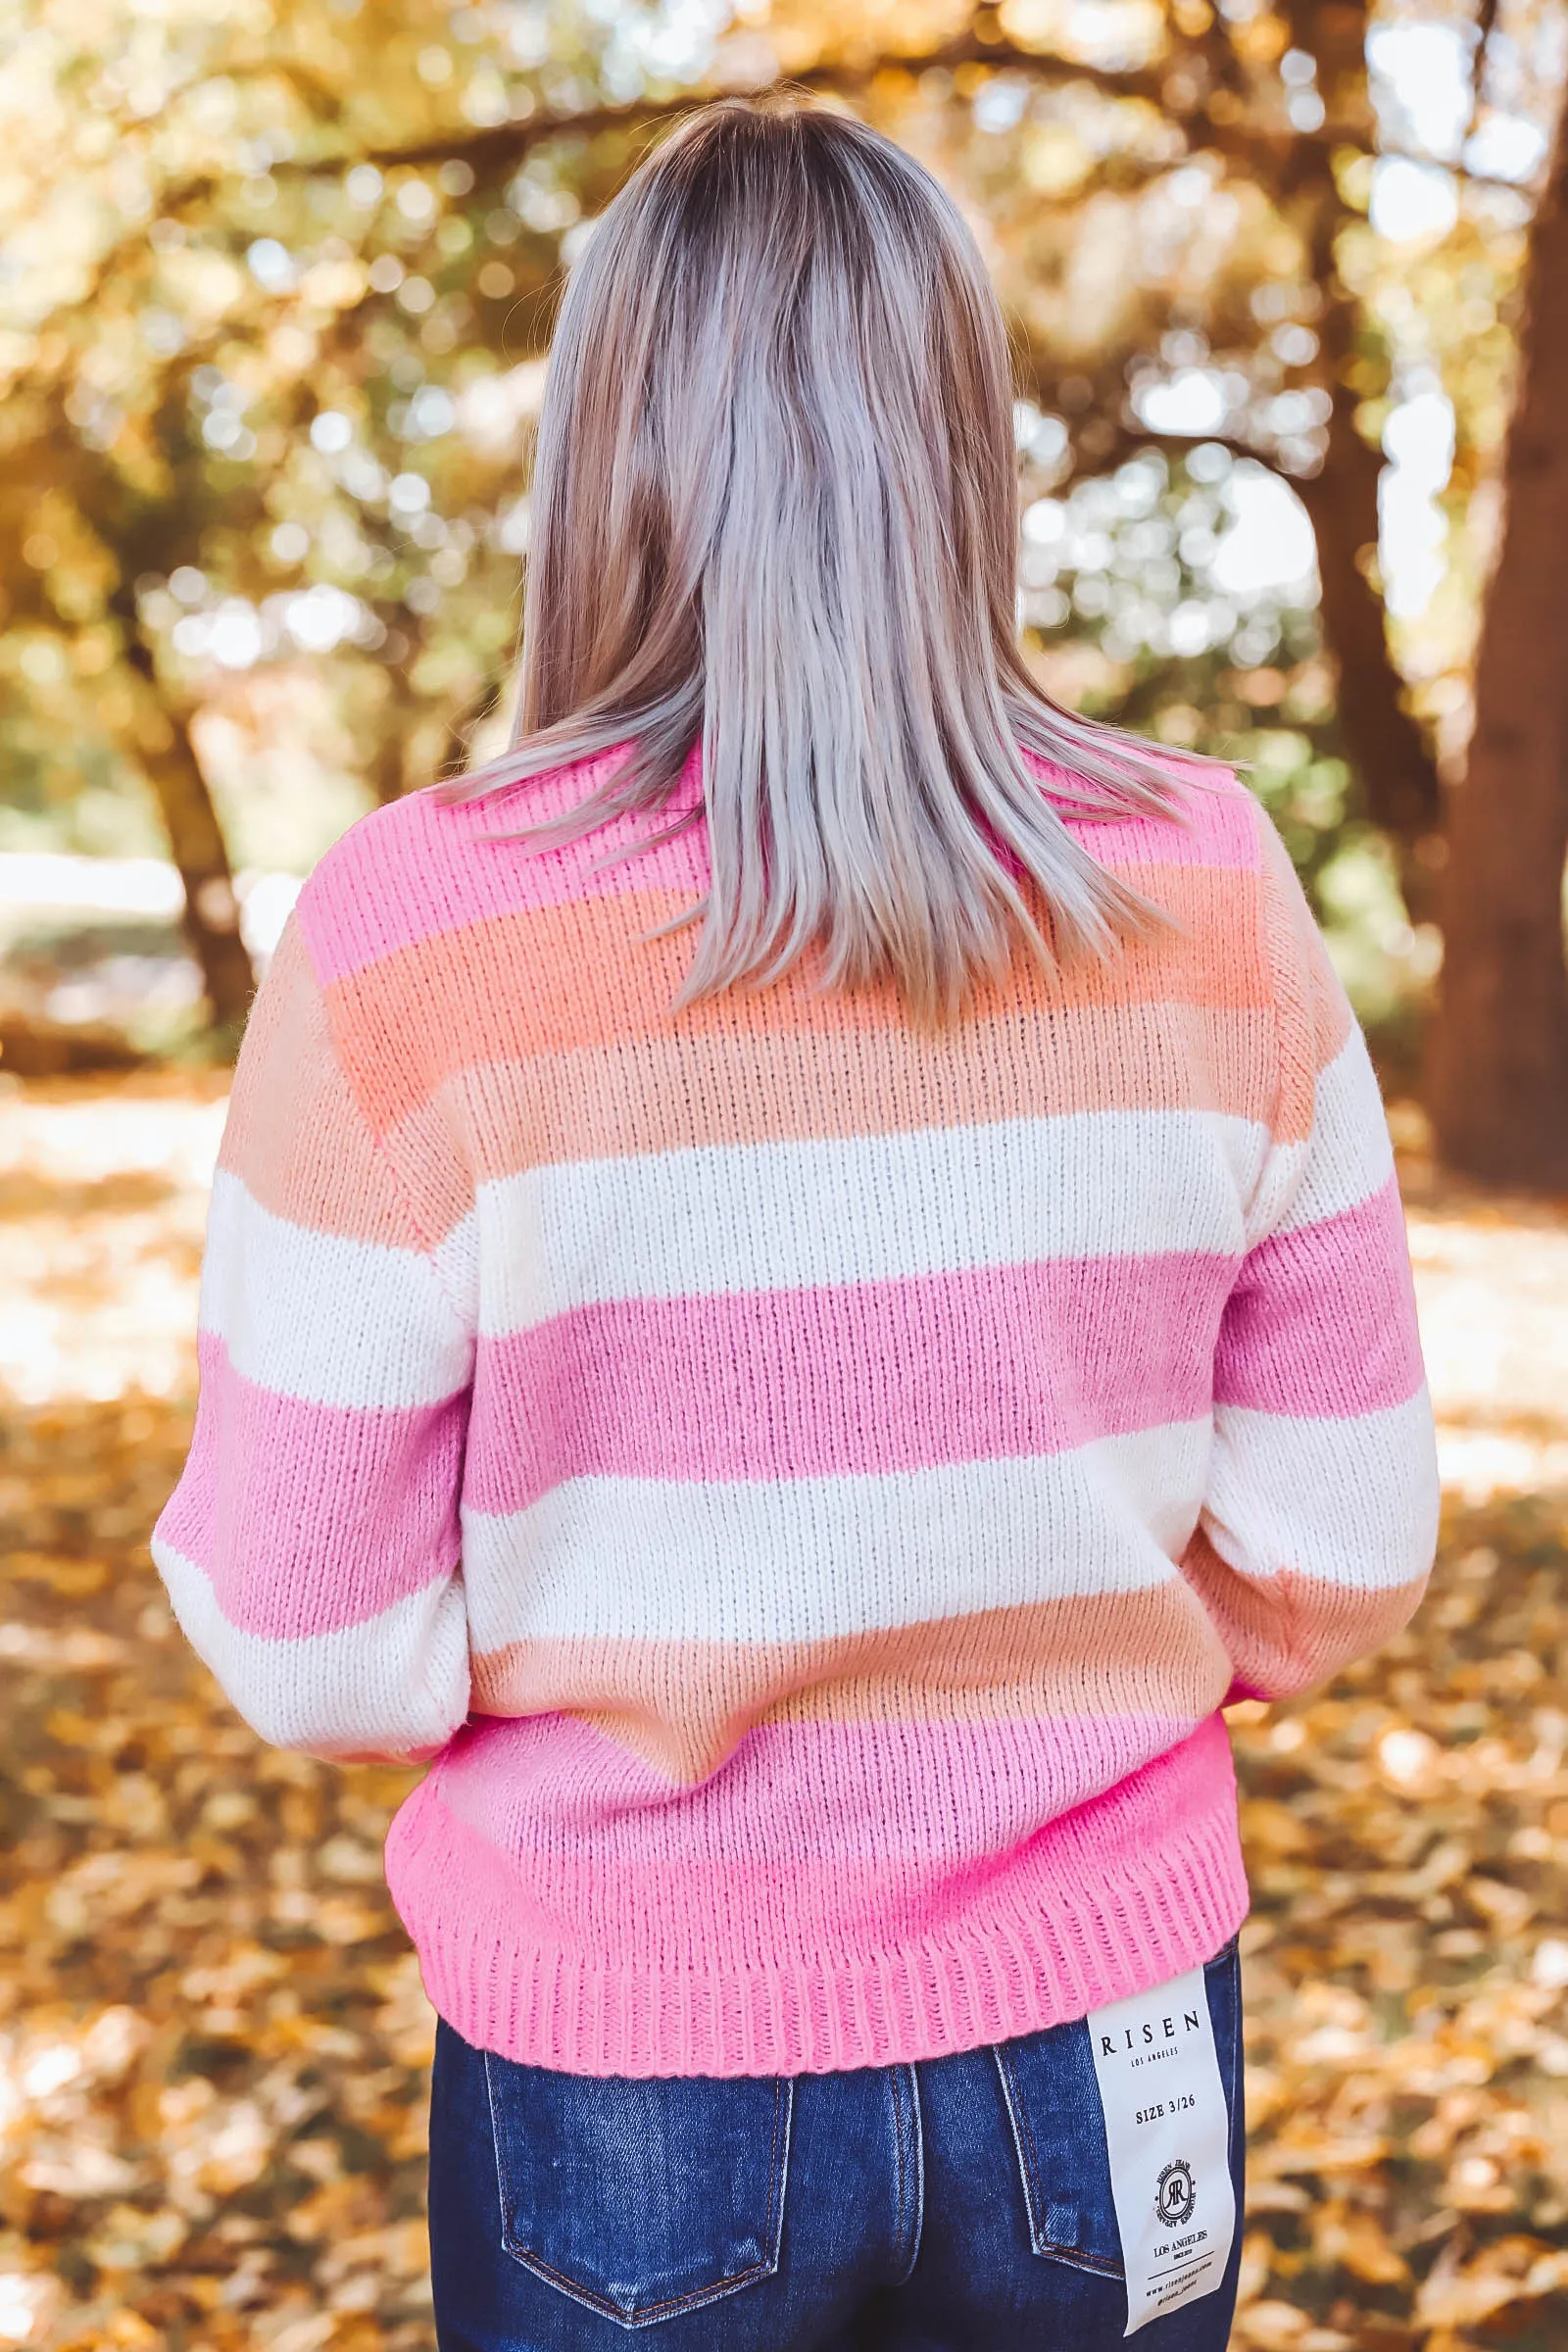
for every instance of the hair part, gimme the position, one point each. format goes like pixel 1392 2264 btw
pixel 774 516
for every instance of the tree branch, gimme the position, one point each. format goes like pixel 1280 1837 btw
pixel 1265 154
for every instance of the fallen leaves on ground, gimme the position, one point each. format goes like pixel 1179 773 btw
pixel 214 2046
pixel 213 2038
pixel 1406 1959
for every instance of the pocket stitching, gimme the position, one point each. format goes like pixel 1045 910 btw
pixel 695 2297
pixel 897 2144
pixel 1229 1955
pixel 1236 2105
pixel 1102 2266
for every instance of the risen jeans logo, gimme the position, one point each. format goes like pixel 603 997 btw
pixel 1176 2194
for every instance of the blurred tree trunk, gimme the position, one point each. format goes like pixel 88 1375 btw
pixel 1381 738
pixel 1384 741
pixel 1499 1053
pixel 387 770
pixel 211 920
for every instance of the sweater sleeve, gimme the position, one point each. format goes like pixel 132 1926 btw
pixel 1320 1519
pixel 311 1547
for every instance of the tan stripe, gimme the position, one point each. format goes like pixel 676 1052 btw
pixel 1313 1012
pixel 295 1134
pixel 682 1705
pixel 1287 1633
pixel 671 1093
pixel 565 979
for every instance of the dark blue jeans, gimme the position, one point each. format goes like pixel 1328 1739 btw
pixel 962 2202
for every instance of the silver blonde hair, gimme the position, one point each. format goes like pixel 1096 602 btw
pixel 774 514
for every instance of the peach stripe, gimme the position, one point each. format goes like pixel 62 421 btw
pixel 1314 1012
pixel 563 979
pixel 682 1705
pixel 677 1091
pixel 649 1094
pixel 1285 1632
pixel 304 1150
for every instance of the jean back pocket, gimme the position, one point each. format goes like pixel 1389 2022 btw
pixel 641 2199
pixel 1059 2126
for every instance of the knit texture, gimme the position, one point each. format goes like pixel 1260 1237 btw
pixel 809 1483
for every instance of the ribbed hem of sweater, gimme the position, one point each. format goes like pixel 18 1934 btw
pixel 1045 1946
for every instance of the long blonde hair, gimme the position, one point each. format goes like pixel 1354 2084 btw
pixel 774 514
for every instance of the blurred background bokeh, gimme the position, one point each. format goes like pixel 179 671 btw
pixel 278 279
pixel 1287 287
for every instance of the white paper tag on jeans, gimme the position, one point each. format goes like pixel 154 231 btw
pixel 1168 2132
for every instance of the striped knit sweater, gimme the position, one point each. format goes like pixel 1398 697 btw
pixel 810 1484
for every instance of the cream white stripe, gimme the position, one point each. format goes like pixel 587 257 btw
pixel 814 1559
pixel 859 1208
pixel 396 1683
pixel 1352 1156
pixel 325 1319
pixel 1346 1159
pixel 1354 1502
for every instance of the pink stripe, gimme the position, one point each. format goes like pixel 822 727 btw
pixel 1222 828
pixel 1322 1323
pixel 722 1967
pixel 855 1377
pixel 803 1799
pixel 420 867
pixel 308 1517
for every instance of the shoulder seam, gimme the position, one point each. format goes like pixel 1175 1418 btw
pixel 1260 821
